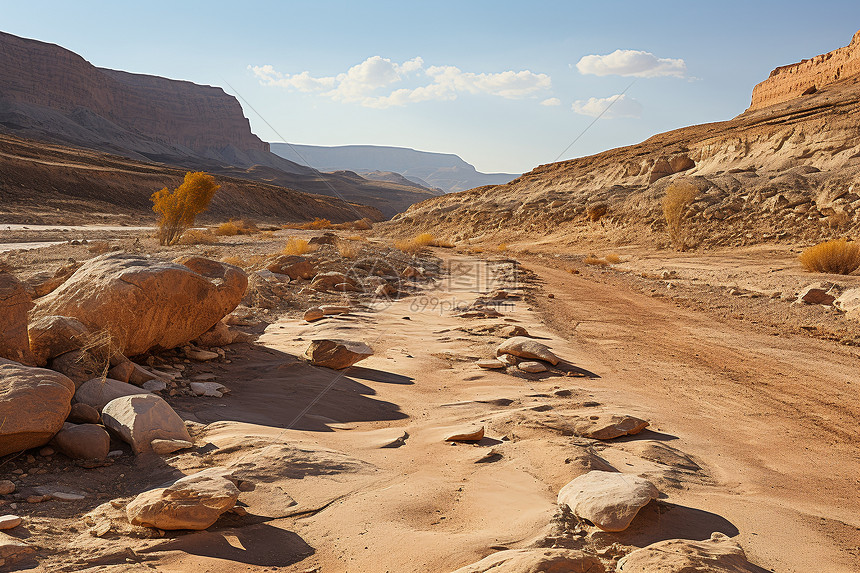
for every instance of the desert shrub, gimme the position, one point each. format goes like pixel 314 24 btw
pixel 612 258
pixel 362 225
pixel 296 247
pixel 98 247
pixel 418 242
pixel 198 237
pixel 596 212
pixel 678 197
pixel 267 234
pixel 347 250
pixel 177 209
pixel 235 227
pixel 839 257
pixel 596 261
pixel 502 247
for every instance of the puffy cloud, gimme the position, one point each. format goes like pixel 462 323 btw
pixel 551 101
pixel 615 106
pixel 363 82
pixel 634 63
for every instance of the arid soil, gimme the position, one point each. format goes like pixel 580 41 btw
pixel 752 418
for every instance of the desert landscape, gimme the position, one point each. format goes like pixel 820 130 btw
pixel 642 361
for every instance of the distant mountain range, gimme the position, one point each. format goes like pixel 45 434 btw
pixel 445 171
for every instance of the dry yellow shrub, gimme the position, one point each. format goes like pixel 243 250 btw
pixel 228 229
pixel 347 250
pixel 678 197
pixel 198 237
pixel 233 260
pixel 839 257
pixel 612 258
pixel 592 260
pixel 296 247
pixel 177 209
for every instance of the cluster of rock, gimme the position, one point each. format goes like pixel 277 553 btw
pixel 113 306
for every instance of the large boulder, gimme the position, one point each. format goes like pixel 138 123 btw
pixel 527 348
pixel 145 304
pixel 337 354
pixel 719 554
pixel 139 419
pixel 34 403
pixel 99 391
pixel 609 500
pixel 536 561
pixel 84 441
pixel 15 302
pixel 191 502
pixel 51 336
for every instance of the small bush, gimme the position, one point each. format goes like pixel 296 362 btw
pixel 839 257
pixel 198 237
pixel 612 258
pixel 592 260
pixel 296 247
pixel 678 197
pixel 236 227
pixel 347 250
pixel 177 209
pixel 502 247
pixel 596 212
pixel 418 242
pixel 362 225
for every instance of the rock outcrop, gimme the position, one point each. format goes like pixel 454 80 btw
pixel 146 304
pixel 719 554
pixel 15 301
pixel 807 76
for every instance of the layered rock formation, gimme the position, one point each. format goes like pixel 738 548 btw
pixel 780 172
pixel 808 76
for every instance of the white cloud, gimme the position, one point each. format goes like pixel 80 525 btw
pixel 551 101
pixel 615 106
pixel 363 82
pixel 633 63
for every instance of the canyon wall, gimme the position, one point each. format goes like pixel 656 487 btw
pixel 37 78
pixel 808 76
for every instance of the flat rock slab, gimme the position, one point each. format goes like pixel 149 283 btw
pixel 211 389
pixel 473 434
pixel 536 561
pixel 719 554
pixel 527 348
pixel 609 500
pixel 532 366
pixel 314 314
pixel 491 364
pixel 12 550
pixel 597 426
pixel 331 309
pixel 164 447
pixel 9 521
pixel 336 353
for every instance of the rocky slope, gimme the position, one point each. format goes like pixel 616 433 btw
pixel 53 184
pixel 48 93
pixel 443 170
pixel 785 171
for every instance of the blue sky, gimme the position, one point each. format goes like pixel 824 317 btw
pixel 494 82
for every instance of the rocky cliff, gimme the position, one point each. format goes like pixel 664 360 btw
pixel 782 172
pixel 808 76
pixel 41 78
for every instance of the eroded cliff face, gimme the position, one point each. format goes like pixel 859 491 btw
pixel 38 81
pixel 808 76
pixel 783 172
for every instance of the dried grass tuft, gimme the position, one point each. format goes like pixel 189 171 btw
pixel 840 257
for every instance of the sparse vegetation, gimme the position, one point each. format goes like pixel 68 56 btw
pixel 296 247
pixel 840 256
pixel 347 250
pixel 177 209
pixel 613 258
pixel 596 261
pixel 678 197
pixel 596 212
pixel 236 227
pixel 198 237
pixel 418 242
pixel 502 247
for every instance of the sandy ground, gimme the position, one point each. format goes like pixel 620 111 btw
pixel 757 432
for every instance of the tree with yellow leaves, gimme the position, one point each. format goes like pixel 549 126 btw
pixel 177 209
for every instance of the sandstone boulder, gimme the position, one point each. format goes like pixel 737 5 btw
pixel 337 354
pixel 192 502
pixel 99 391
pixel 147 304
pixel 51 336
pixel 139 419
pixel 78 365
pixel 609 500
pixel 607 426
pixel 34 403
pixel 527 348
pixel 532 366
pixel 15 302
pixel 475 434
pixel 334 281
pixel 491 364
pixel 164 447
pixel 84 441
pixel 536 561
pixel 294 266
pixel 719 554
pixel 9 521
pixel 43 283
pixel 220 335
